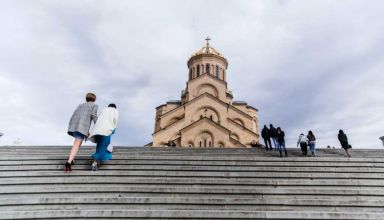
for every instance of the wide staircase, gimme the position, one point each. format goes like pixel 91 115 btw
pixel 175 183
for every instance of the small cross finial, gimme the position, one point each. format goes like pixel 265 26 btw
pixel 207 39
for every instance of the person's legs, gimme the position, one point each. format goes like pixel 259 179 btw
pixel 303 146
pixel 274 143
pixel 285 149
pixel 270 144
pixel 305 149
pixel 75 148
pixel 347 151
pixel 314 150
pixel 266 145
pixel 279 146
pixel 101 151
pixel 311 148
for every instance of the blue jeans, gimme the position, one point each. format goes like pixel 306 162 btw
pixel 281 147
pixel 312 146
pixel 274 142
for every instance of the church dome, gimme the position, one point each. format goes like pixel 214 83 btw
pixel 208 50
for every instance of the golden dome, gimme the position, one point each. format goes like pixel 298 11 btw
pixel 208 49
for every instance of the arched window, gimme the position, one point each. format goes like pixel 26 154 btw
pixel 198 70
pixel 211 117
pixel 216 71
pixel 207 68
pixel 210 144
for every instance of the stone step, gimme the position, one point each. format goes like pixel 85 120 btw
pixel 200 163
pixel 179 149
pixel 371 203
pixel 211 168
pixel 347 197
pixel 175 183
pixel 196 174
pixel 121 188
pixel 192 181
pixel 187 206
pixel 248 158
pixel 187 214
pixel 42 188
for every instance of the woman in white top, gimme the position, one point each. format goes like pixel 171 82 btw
pixel 101 134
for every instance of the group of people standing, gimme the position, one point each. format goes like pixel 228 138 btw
pixel 104 127
pixel 277 136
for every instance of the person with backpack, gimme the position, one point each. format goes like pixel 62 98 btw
pixel 101 134
pixel 344 142
pixel 312 143
pixel 272 135
pixel 303 141
pixel 79 125
pixel 281 142
pixel 265 134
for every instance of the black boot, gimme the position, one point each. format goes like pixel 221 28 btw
pixel 68 167
pixel 286 153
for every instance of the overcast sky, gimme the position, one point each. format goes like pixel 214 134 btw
pixel 305 65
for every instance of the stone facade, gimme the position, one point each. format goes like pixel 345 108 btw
pixel 206 115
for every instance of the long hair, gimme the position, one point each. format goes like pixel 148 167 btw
pixel 311 134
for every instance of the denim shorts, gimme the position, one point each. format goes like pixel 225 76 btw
pixel 78 135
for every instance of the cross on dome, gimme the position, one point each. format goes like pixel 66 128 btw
pixel 207 39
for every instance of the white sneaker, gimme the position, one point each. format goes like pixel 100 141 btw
pixel 94 166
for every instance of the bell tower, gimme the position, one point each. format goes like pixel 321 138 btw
pixel 207 60
pixel 207 63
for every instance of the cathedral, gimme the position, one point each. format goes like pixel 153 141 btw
pixel 206 115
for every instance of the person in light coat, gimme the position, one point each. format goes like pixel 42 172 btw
pixel 79 125
pixel 303 141
pixel 101 134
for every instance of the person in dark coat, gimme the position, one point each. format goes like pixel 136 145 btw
pixel 344 142
pixel 272 135
pixel 266 136
pixel 281 142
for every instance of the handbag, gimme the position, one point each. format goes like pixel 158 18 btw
pixel 110 148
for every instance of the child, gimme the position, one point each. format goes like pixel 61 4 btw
pixel 101 134
pixel 79 126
